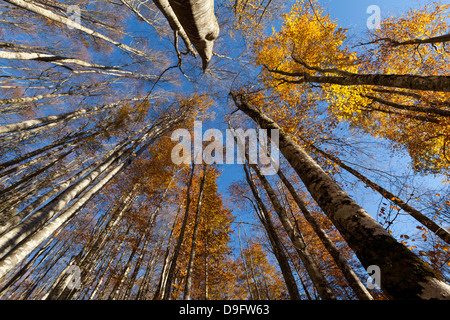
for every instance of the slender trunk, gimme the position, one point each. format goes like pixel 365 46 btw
pixel 190 267
pixel 159 292
pixel 275 241
pixel 68 63
pixel 14 221
pixel 31 124
pixel 108 263
pixel 20 251
pixel 149 231
pixel 42 253
pixel 403 274
pixel 427 118
pixel 395 43
pixel 244 263
pixel 252 267
pixel 23 100
pixel 206 269
pixel 53 261
pixel 316 275
pixel 10 260
pixel 39 10
pixel 40 217
pixel 177 249
pixel 116 289
pixel 34 174
pixel 416 214
pixel 118 156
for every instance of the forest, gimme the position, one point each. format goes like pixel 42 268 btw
pixel 224 150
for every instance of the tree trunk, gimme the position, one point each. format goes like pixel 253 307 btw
pixel 427 110
pixel 173 263
pixel 190 268
pixel 118 162
pixel 169 14
pixel 27 124
pixel 199 21
pixel 352 279
pixel 316 275
pixel 416 214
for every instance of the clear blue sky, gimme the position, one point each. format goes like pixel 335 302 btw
pixel 352 14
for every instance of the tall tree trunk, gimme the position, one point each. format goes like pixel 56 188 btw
pixel 68 63
pixel 159 292
pixel 30 225
pixel 395 43
pixel 190 267
pixel 416 214
pixel 169 14
pixel 118 162
pixel 149 232
pixel 316 275
pixel 275 241
pixel 344 78
pixel 49 120
pixel 403 274
pixel 244 263
pixel 173 264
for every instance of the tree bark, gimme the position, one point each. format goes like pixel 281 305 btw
pixel 275 241
pixel 174 23
pixel 344 78
pixel 190 268
pixel 199 21
pixel 427 110
pixel 416 214
pixel 117 163
pixel 361 292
